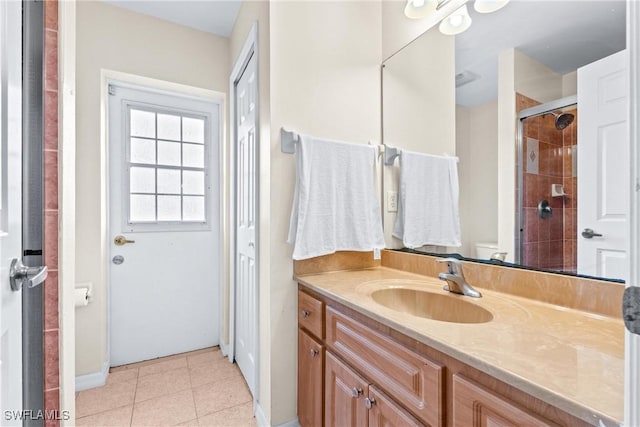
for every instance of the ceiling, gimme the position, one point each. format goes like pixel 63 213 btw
pixel 563 35
pixel 212 16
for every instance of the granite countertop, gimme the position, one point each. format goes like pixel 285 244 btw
pixel 571 359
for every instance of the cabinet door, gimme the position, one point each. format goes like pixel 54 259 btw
pixel 476 406
pixel 384 412
pixel 345 392
pixel 310 393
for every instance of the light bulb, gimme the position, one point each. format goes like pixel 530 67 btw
pixel 418 9
pixel 456 23
pixel 418 3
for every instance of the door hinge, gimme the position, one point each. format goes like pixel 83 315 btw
pixel 112 90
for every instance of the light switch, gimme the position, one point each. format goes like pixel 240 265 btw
pixel 392 201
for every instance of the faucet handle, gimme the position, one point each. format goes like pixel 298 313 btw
pixel 454 265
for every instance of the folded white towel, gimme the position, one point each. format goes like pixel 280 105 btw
pixel 335 204
pixel 428 211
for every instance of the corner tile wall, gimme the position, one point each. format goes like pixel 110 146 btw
pixel 51 324
pixel 548 156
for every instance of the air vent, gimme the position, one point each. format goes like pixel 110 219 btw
pixel 465 77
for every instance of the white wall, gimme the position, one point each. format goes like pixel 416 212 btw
pixel 116 39
pixel 419 106
pixel 477 149
pixel 570 84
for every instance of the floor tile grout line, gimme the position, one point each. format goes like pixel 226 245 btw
pixel 225 409
pixel 102 412
pixel 133 404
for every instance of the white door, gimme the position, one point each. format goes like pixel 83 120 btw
pixel 603 167
pixel 10 210
pixel 246 265
pixel 163 223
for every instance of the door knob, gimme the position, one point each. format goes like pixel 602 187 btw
pixel 589 233
pixel 20 275
pixel 121 240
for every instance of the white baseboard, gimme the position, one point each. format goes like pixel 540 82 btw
pixel 224 348
pixel 92 380
pixel 261 420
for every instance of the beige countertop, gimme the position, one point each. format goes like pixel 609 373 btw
pixel 571 359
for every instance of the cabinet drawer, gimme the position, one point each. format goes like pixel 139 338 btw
pixel 311 314
pixel 476 406
pixel 410 378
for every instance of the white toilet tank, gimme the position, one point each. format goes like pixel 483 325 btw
pixel 485 250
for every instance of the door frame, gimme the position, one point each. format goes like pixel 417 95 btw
pixel 146 83
pixel 249 49
pixel 632 342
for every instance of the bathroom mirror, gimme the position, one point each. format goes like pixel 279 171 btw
pixel 503 97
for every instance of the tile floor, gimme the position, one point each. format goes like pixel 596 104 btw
pixel 200 388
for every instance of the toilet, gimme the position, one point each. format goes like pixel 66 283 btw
pixel 485 250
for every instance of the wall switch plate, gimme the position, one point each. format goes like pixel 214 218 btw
pixel 392 201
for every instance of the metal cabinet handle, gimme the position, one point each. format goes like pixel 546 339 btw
pixel 305 313
pixel 369 402
pixel 121 240
pixel 20 275
pixel 356 392
pixel 589 233
pixel 314 352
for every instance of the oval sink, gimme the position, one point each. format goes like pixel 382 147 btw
pixel 445 308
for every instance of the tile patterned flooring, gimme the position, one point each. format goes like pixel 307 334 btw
pixel 200 388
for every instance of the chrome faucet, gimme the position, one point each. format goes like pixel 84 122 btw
pixel 456 282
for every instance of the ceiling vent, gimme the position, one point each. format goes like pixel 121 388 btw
pixel 465 77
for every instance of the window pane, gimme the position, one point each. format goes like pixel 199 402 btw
pixel 193 130
pixel 193 182
pixel 169 153
pixel 143 123
pixel 193 155
pixel 168 127
pixel 168 181
pixel 193 208
pixel 142 208
pixel 142 180
pixel 169 208
pixel 143 151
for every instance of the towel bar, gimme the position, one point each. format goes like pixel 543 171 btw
pixel 287 141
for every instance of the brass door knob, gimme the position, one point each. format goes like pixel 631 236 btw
pixel 121 240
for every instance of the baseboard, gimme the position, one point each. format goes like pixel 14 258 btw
pixel 224 348
pixel 261 420
pixel 93 380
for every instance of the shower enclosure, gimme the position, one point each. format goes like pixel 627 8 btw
pixel 547 183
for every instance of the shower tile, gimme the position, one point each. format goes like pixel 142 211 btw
pixel 51 301
pixel 532 155
pixel 530 225
pixel 51 239
pixel 52 361
pixel 51 180
pixel 51 60
pixel 51 15
pixel 543 254
pixel 557 226
pixel 556 253
pixel 51 120
pixel 530 254
pixel 532 127
pixel 544 230
pixel 530 190
pixel 570 223
pixel 52 402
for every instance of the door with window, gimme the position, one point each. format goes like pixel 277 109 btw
pixel 163 223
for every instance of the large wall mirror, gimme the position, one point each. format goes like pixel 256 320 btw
pixel 532 100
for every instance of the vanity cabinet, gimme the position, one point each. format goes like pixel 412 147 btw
pixel 355 371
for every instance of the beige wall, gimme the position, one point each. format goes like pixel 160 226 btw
pixel 116 39
pixel 325 81
pixel 570 84
pixel 536 80
pixel 477 148
pixel 419 106
pixel 398 31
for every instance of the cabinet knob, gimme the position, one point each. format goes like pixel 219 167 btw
pixel 305 313
pixel 369 402
pixel 356 392
pixel 314 352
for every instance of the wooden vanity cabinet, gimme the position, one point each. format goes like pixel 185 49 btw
pixel 311 354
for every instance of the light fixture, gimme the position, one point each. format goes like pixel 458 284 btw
pixel 418 9
pixel 488 6
pixel 456 23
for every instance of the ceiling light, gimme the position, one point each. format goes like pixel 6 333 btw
pixel 488 6
pixel 456 23
pixel 418 9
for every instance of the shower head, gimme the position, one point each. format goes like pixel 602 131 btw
pixel 563 119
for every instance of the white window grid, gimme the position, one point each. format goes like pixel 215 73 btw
pixel 178 224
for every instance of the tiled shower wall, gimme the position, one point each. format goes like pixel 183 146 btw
pixel 51 325
pixel 549 156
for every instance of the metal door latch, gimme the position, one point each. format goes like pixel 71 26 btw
pixel 20 275
pixel 121 240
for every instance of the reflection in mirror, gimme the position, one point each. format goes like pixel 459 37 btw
pixel 470 95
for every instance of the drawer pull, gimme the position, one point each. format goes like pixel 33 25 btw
pixel 356 392
pixel 305 313
pixel 369 402
pixel 314 352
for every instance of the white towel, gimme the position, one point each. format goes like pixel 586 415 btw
pixel 335 204
pixel 428 211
